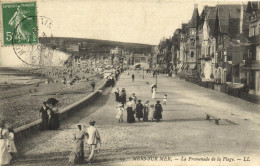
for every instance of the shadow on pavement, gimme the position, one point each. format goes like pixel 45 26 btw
pixel 184 120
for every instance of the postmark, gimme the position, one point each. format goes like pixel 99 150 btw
pixel 16 17
pixel 35 54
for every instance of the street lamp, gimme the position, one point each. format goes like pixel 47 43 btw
pixel 143 72
pixel 156 78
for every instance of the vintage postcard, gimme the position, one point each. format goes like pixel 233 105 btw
pixel 130 82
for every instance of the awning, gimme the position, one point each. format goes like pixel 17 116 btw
pixel 192 66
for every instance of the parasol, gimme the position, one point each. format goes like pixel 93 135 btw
pixel 52 101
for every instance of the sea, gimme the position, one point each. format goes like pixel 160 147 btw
pixel 16 76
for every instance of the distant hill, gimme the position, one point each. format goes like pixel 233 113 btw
pixel 97 46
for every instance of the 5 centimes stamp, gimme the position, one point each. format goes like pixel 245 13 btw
pixel 34 54
pixel 17 27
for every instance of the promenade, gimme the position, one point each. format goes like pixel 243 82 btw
pixel 182 134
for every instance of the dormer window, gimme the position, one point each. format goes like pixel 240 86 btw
pixel 193 32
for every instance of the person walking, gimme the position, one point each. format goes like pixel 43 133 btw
pixel 158 111
pixel 130 111
pixel 10 142
pixel 53 116
pixel 151 112
pixel 139 110
pixel 154 92
pixel 113 82
pixel 133 77
pixel 93 139
pixel 134 98
pixel 120 111
pixel 93 85
pixel 44 116
pixel 5 157
pixel 165 99
pixel 77 154
pixel 117 96
pixel 146 110
pixel 123 98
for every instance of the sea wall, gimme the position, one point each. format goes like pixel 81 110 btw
pixel 28 130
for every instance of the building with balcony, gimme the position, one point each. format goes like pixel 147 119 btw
pixel 207 43
pixel 228 29
pixel 253 58
pixel 191 44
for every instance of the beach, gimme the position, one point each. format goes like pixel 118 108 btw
pixel 24 89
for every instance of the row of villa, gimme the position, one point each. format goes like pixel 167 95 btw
pixel 219 46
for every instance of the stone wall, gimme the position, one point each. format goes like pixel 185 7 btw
pixel 29 129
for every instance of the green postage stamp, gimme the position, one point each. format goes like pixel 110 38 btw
pixel 19 23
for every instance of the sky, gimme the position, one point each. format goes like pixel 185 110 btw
pixel 135 21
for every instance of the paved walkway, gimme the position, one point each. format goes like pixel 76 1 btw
pixel 183 132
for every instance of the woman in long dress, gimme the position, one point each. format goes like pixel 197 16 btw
pixel 154 92
pixel 44 115
pixel 5 156
pixel 54 117
pixel 117 96
pixel 158 111
pixel 151 112
pixel 130 111
pixel 146 110
pixel 139 110
pixel 77 154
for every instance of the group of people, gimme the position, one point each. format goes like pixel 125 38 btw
pixel 136 109
pixel 7 145
pixel 93 138
pixel 49 115
pixel 120 96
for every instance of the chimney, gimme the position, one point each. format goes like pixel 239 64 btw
pixel 195 6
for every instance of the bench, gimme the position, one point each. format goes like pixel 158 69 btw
pixel 214 117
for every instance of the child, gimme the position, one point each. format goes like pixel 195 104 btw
pixel 10 142
pixel 164 99
pixel 120 111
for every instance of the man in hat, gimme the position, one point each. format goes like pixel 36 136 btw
pixel 93 139
pixel 139 110
pixel 158 111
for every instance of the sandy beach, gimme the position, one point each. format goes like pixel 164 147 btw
pixel 24 89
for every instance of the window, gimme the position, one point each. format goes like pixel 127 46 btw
pixel 192 54
pixel 253 16
pixel 192 43
pixel 252 31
